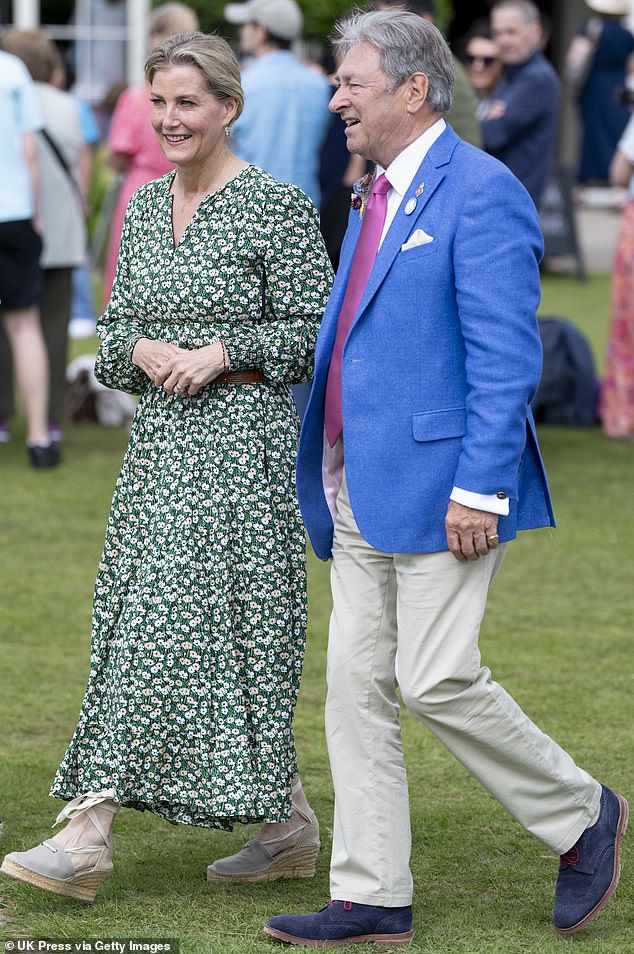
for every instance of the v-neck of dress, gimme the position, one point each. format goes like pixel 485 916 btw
pixel 203 201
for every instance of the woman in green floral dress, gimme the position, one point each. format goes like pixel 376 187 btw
pixel 200 601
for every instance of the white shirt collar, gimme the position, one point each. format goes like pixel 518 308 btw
pixel 402 170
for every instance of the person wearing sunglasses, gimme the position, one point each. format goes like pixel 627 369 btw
pixel 482 65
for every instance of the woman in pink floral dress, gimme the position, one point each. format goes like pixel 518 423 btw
pixel 134 151
pixel 617 398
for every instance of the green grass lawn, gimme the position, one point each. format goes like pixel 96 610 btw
pixel 558 634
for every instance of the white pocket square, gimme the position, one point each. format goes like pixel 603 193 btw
pixel 417 238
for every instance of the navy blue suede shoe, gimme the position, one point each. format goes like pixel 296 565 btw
pixel 590 871
pixel 344 922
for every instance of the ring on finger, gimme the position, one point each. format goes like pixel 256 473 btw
pixel 493 540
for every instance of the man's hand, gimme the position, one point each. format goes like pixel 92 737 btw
pixel 496 110
pixel 470 533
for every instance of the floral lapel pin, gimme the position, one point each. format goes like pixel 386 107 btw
pixel 361 193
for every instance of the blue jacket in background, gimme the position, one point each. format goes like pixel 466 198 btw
pixel 524 137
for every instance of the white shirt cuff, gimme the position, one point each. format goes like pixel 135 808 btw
pixel 493 503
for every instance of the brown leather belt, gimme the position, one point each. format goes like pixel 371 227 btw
pixel 249 376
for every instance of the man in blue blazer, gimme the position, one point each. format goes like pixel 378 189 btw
pixel 418 462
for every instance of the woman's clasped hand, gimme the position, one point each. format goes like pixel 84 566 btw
pixel 179 370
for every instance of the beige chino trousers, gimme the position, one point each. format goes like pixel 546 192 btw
pixel 413 620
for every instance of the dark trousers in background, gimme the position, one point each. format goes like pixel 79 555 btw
pixel 55 317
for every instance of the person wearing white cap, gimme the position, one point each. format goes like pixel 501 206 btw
pixel 599 57
pixel 286 114
pixel 286 103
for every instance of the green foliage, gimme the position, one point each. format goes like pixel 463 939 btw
pixel 101 177
pixel 444 13
pixel 319 16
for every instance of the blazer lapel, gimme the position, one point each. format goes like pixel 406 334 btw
pixel 328 328
pixel 430 174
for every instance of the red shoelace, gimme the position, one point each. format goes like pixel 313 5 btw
pixel 571 857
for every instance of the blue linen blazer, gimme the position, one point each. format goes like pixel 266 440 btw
pixel 440 364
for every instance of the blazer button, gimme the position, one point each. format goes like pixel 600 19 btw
pixel 501 495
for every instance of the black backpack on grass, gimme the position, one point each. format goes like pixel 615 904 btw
pixel 567 394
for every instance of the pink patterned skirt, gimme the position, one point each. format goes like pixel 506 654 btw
pixel 617 398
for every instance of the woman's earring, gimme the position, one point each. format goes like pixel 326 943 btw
pixel 227 130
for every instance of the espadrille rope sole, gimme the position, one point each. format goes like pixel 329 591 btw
pixel 298 862
pixel 49 867
pixel 82 887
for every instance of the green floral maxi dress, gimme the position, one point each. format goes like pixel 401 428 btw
pixel 200 602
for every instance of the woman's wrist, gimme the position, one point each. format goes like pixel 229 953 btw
pixel 135 353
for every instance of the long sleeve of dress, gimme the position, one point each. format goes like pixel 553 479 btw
pixel 296 280
pixel 251 270
pixel 119 329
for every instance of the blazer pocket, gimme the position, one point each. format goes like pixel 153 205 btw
pixel 418 251
pixel 439 425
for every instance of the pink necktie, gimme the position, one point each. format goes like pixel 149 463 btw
pixel 364 255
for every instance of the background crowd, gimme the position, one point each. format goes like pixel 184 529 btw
pixel 507 100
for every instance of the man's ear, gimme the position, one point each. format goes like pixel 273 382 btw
pixel 417 92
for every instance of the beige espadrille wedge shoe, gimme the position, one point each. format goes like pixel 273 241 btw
pixel 281 849
pixel 262 861
pixel 49 866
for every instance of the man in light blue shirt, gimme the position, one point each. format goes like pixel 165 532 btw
pixel 286 103
pixel 286 114
pixel 21 280
pixel 21 117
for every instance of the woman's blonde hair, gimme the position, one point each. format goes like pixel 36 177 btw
pixel 207 52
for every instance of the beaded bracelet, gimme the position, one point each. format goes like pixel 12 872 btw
pixel 225 359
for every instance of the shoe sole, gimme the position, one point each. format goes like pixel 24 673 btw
pixel 296 863
pixel 82 887
pixel 391 939
pixel 620 831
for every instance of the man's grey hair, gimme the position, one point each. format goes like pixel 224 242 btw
pixel 529 12
pixel 407 44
